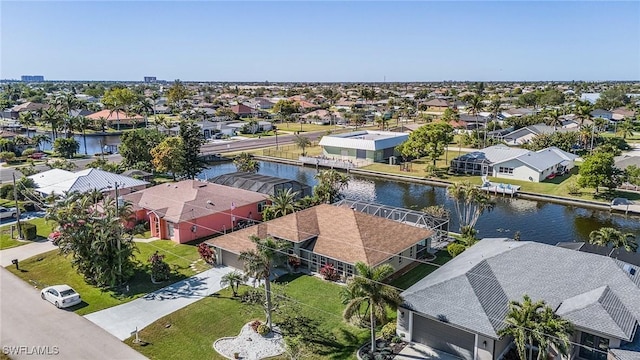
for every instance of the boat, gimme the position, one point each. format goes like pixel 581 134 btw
pixel 626 205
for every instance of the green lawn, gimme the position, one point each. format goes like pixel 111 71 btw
pixel 417 273
pixel 52 268
pixel 44 228
pixel 211 318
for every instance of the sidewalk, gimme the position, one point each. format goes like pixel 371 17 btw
pixel 121 320
pixel 25 251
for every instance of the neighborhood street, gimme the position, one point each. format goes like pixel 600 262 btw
pixel 32 328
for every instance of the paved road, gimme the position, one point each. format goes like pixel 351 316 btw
pixel 248 144
pixel 34 325
pixel 121 320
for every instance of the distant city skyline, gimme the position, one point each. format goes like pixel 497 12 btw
pixel 330 41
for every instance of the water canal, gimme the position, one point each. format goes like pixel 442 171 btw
pixel 536 220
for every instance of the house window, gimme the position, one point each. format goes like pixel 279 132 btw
pixel 595 347
pixel 261 206
pixel 400 259
pixel 411 251
pixel 505 170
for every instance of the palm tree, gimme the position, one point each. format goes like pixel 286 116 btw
pixel 607 236
pixel 246 163
pixel 233 280
pixel 626 128
pixel 553 118
pixel 475 106
pixel 584 113
pixel 83 123
pixel 283 202
pixel 368 289
pixel 585 134
pixel 330 183
pixel 27 119
pixel 302 142
pixel 470 202
pixel 532 323
pixel 259 261
pixel 52 117
pixel 39 139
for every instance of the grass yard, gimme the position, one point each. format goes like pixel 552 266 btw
pixel 416 274
pixel 417 166
pixel 211 318
pixel 52 268
pixel 44 228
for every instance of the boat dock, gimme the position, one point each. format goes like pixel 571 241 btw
pixel 499 188
pixel 625 205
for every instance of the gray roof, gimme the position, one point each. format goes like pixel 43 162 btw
pixel 261 183
pixel 545 158
pixel 500 153
pixel 472 291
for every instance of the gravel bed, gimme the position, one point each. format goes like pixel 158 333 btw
pixel 250 345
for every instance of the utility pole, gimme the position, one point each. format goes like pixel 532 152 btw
pixel 15 197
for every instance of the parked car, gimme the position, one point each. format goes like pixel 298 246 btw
pixel 61 296
pixel 8 212
pixel 38 155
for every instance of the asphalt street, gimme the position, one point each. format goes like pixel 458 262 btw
pixel 31 328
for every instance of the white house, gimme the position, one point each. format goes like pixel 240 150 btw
pixel 373 146
pixel 58 181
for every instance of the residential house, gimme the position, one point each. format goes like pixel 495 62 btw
pixel 367 145
pixel 622 113
pixel 437 106
pixel 264 184
pixel 191 209
pixel 243 110
pixel 321 117
pixel 344 104
pixel 327 234
pixel 259 126
pixel 513 163
pixel 59 182
pixel 603 114
pixel 14 112
pixel 115 117
pixel 527 133
pixel 461 306
pixel 261 103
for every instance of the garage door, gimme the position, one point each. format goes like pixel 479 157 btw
pixel 442 337
pixel 230 259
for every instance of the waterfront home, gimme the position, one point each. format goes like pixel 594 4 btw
pixel 505 162
pixel 243 110
pixel 114 118
pixel 437 106
pixel 59 182
pixel 264 184
pixel 336 235
pixel 362 146
pixel 460 307
pixel 189 210
pixel 527 133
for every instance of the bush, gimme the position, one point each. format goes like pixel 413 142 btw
pixel 29 206
pixel 573 189
pixel 388 331
pixel 160 270
pixel 263 329
pixel 206 253
pixel 328 272
pixel 28 152
pixel 28 231
pixel 455 249
pixel 255 324
pixel 252 296
pixel 7 156
pixel 6 191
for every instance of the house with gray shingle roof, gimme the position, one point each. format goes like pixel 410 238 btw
pixel 461 307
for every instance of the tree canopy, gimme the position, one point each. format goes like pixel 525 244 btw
pixel 599 170
pixel 428 140
pixel 135 148
pixel 192 140
pixel 168 156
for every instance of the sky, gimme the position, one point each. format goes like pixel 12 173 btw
pixel 322 41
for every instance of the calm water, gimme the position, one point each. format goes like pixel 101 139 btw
pixel 537 221
pixel 94 143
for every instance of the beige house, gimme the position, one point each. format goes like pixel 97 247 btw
pixel 337 235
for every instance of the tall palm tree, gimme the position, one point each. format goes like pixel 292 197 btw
pixel 233 280
pixel 246 163
pixel 82 123
pixel 259 261
pixel 607 236
pixel 553 118
pixel 368 289
pixel 283 202
pixel 52 117
pixel 470 202
pixel 626 128
pixel 27 119
pixel 554 332
pixel 583 112
pixel 302 142
pixel 39 139
pixel 475 106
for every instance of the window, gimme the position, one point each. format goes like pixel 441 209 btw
pixel 400 259
pixel 411 251
pixel 505 170
pixel 261 206
pixel 595 347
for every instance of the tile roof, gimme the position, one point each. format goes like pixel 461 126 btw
pixel 594 291
pixel 113 116
pixel 191 199
pixel 341 233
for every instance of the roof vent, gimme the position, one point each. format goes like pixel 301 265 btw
pixel 630 269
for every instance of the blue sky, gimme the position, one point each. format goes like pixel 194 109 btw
pixel 321 41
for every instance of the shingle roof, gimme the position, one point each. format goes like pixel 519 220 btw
pixel 191 199
pixel 341 233
pixel 561 277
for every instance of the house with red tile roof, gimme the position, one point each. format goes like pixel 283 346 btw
pixel 243 110
pixel 113 117
pixel 189 210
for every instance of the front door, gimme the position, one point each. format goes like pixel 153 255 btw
pixel 170 230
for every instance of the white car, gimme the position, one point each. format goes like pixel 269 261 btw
pixel 8 212
pixel 61 296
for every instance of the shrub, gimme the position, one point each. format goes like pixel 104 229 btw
pixel 206 253
pixel 573 189
pixel 159 269
pixel 6 191
pixel 7 156
pixel 255 324
pixel 263 329
pixel 328 272
pixel 29 231
pixel 388 331
pixel 455 249
pixel 28 152
pixel 252 296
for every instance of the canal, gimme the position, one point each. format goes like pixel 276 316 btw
pixel 536 220
pixel 95 143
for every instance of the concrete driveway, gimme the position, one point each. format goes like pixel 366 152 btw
pixel 25 251
pixel 121 320
pixel 35 329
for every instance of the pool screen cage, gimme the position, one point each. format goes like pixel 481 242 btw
pixel 407 216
